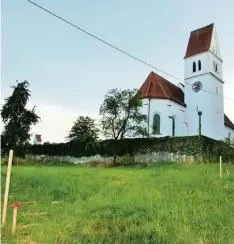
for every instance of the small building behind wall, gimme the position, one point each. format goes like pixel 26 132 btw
pixel 37 140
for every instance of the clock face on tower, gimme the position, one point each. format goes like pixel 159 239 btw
pixel 197 86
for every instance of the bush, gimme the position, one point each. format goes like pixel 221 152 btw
pixel 203 148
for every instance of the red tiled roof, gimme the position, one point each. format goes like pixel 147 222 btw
pixel 199 40
pixel 38 138
pixel 228 122
pixel 156 86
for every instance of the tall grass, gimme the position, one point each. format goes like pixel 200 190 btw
pixel 164 203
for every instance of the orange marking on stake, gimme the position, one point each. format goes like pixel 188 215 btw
pixel 15 205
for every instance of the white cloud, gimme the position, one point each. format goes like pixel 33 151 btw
pixel 56 120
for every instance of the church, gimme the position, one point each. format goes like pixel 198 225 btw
pixel 196 106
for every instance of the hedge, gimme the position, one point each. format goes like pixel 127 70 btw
pixel 207 148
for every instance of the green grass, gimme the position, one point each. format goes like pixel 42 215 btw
pixel 164 203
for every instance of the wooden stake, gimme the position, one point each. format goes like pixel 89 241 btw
pixel 220 164
pixel 15 210
pixel 228 171
pixel 17 162
pixel 8 177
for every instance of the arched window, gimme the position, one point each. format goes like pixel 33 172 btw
pixel 199 65
pixel 156 124
pixel 173 124
pixel 194 66
pixel 215 66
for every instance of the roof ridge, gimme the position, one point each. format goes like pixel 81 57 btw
pixel 168 81
pixel 212 24
pixel 163 88
pixel 147 92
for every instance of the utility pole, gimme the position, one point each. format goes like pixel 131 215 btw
pixel 199 114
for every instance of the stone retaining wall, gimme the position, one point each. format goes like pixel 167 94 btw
pixel 140 158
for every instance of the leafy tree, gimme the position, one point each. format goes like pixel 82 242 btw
pixel 229 141
pixel 17 119
pixel 84 131
pixel 120 113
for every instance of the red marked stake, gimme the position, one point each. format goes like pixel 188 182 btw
pixel 228 171
pixel 15 210
pixel 220 169
pixel 8 177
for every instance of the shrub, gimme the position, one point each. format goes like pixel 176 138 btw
pixel 203 148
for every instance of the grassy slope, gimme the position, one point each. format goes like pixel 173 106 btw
pixel 161 204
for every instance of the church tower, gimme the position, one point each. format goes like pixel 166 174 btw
pixel 204 84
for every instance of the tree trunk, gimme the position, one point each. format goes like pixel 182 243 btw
pixel 114 160
pixel 114 153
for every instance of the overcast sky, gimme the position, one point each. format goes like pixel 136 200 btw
pixel 70 72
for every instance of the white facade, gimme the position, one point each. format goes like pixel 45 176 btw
pixel 208 100
pixel 211 106
pixel 167 110
pixel 228 132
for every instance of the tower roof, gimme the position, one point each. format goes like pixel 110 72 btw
pixel 199 41
pixel 156 86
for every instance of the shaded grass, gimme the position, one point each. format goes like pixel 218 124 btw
pixel 164 203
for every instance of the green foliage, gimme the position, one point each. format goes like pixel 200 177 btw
pixel 84 130
pixel 17 119
pixel 203 148
pixel 165 203
pixel 84 133
pixel 120 114
pixel 229 141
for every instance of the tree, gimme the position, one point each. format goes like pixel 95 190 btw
pixel 229 141
pixel 120 113
pixel 84 131
pixel 17 119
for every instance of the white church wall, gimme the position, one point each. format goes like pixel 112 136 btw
pixel 214 45
pixel 215 61
pixel 218 108
pixel 228 132
pixel 211 105
pixel 166 108
pixel 212 121
pixel 215 65
pixel 188 65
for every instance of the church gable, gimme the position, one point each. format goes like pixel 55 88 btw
pixel 156 86
pixel 199 41
pixel 228 122
pixel 214 46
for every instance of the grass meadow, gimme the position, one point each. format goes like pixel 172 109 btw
pixel 163 203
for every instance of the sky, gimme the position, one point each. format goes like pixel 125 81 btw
pixel 70 72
